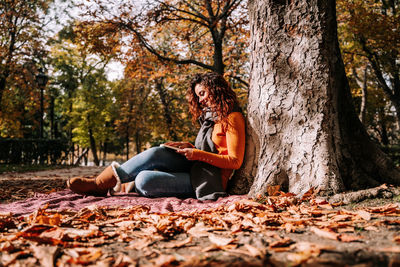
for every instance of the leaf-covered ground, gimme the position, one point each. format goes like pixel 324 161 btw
pixel 278 230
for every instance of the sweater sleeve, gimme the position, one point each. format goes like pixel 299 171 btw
pixel 235 142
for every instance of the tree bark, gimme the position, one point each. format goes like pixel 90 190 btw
pixel 93 147
pixel 303 131
pixel 167 111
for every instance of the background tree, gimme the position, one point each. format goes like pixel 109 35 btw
pixel 374 51
pixel 303 129
pixel 21 47
pixel 85 91
pixel 208 34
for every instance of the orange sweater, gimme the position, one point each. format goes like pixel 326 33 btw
pixel 230 145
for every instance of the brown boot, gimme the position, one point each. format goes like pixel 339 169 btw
pixel 98 186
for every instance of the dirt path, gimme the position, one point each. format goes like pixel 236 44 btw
pixel 18 186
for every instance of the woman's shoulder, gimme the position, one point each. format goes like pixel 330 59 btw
pixel 235 117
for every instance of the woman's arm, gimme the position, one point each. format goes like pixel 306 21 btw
pixel 235 141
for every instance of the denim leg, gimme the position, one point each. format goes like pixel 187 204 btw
pixel 164 184
pixel 155 158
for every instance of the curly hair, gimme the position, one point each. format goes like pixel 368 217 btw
pixel 221 95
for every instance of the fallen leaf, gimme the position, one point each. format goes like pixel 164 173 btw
pixel 7 223
pixel 254 252
pixel 45 254
pixel 397 239
pixel 220 240
pixel 299 257
pixel 164 260
pixel 84 256
pixel 124 260
pixel 281 243
pixel 389 249
pixel 364 215
pixel 349 238
pixel 179 244
pixel 7 246
pixel 371 228
pixel 199 230
pixel 324 233
pixel 273 190
pixel 140 244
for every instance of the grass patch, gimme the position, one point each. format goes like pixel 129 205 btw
pixel 28 168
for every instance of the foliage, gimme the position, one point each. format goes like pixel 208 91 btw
pixel 372 56
pixel 86 98
pixel 21 49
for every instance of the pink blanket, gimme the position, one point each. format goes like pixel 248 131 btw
pixel 67 199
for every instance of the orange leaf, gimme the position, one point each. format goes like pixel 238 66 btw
pixel 324 233
pixel 349 238
pixel 255 252
pixel 364 215
pixel 273 190
pixel 220 240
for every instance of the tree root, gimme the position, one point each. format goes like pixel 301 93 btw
pixel 382 191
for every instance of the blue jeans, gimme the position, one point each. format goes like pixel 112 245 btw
pixel 158 172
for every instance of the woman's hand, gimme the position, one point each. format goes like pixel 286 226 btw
pixel 187 152
pixel 180 145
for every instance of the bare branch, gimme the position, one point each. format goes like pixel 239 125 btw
pixel 152 50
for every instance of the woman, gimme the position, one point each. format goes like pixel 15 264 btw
pixel 200 171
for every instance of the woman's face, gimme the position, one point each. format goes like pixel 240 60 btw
pixel 203 95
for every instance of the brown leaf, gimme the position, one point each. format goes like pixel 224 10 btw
pixel 349 238
pixel 124 260
pixel 299 257
pixel 9 259
pixel 220 240
pixel 389 249
pixel 282 243
pixel 179 244
pixel 164 260
pixel 397 239
pixel 7 246
pixel 199 230
pixel 140 244
pixel 45 254
pixel 273 190
pixel 371 228
pixel 255 252
pixel 7 223
pixel 364 215
pixel 324 233
pixel 84 256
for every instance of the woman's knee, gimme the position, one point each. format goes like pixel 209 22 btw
pixel 144 183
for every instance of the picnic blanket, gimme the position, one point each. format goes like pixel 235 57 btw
pixel 68 200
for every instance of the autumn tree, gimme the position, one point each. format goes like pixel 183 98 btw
pixel 211 35
pixel 303 130
pixel 377 48
pixel 79 68
pixel 21 46
pixel 152 104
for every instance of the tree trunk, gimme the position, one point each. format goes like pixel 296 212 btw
pixel 127 143
pixel 104 153
pixel 2 89
pixel 93 147
pixel 303 129
pixel 167 111
pixel 364 99
pixel 138 142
